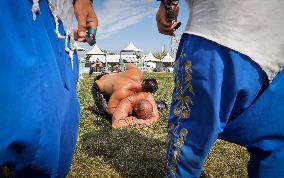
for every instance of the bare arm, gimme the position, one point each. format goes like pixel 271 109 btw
pixel 113 103
pixel 120 117
pixel 135 86
pixel 115 98
pixel 136 73
pixel 131 66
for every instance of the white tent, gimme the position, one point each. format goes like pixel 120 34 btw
pixel 152 61
pixel 115 58
pixel 131 48
pixel 168 58
pixel 151 58
pixel 97 53
pixel 101 58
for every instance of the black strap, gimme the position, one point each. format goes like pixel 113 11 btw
pixel 168 5
pixel 172 2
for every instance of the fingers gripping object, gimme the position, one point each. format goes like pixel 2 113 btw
pixel 169 10
pixel 178 25
pixel 91 36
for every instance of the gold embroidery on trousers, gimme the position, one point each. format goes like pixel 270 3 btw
pixel 181 109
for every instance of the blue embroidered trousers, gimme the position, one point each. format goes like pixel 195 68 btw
pixel 221 93
pixel 39 110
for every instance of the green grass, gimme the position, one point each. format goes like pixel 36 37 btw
pixel 103 152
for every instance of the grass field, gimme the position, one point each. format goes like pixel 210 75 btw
pixel 103 152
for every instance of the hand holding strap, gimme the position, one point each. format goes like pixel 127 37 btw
pixel 91 36
pixel 169 10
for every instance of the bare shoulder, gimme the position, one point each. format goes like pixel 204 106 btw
pixel 139 96
pixel 123 93
pixel 148 95
pixel 131 66
pixel 133 97
pixel 133 72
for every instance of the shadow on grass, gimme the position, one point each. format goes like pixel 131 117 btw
pixel 5 172
pixel 129 152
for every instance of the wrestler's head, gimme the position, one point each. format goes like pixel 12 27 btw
pixel 143 109
pixel 150 85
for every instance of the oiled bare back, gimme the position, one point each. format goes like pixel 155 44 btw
pixel 120 85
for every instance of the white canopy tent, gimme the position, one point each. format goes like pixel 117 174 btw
pixel 131 48
pixel 97 53
pixel 168 61
pixel 168 58
pixel 94 58
pixel 151 58
pixel 113 58
pixel 152 61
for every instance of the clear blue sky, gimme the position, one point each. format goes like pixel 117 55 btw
pixel 122 21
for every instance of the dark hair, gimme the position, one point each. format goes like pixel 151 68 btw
pixel 150 85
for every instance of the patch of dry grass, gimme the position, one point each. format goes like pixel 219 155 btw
pixel 103 152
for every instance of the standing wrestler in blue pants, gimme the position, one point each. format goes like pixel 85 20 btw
pixel 39 113
pixel 228 53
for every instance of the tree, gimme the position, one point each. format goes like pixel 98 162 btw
pixel 160 54
pixel 87 58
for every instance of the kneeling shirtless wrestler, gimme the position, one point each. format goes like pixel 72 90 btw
pixel 108 90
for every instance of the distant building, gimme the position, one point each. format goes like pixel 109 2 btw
pixel 112 61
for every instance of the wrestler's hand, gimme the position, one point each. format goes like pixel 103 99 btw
pixel 141 123
pixel 131 121
pixel 86 17
pixel 165 27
